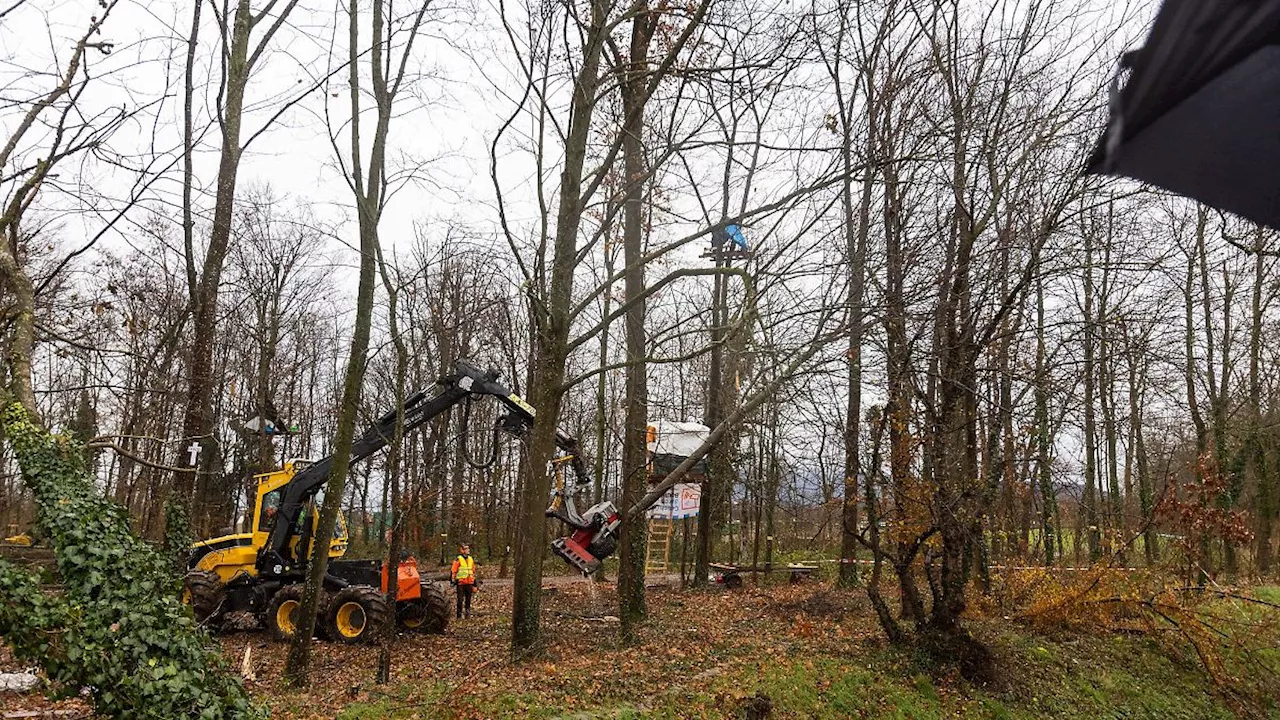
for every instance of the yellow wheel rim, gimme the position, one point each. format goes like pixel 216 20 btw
pixel 186 596
pixel 286 617
pixel 350 619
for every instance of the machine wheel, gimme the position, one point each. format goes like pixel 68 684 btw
pixel 356 614
pixel 283 612
pixel 428 613
pixel 322 612
pixel 205 593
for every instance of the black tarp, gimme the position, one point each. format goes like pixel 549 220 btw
pixel 1200 111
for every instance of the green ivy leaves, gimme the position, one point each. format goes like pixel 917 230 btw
pixel 118 628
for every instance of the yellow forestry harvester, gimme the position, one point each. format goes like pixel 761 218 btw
pixel 263 571
pixel 223 576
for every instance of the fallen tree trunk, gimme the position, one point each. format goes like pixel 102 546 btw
pixel 118 627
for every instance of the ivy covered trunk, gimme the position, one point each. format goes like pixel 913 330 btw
pixel 119 627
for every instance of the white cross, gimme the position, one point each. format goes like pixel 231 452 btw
pixel 194 449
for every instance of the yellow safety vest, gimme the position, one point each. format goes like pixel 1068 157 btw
pixel 466 568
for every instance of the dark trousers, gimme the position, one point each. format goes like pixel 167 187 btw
pixel 464 598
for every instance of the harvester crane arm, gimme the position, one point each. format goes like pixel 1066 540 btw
pixel 466 381
pixel 594 535
pixel 594 532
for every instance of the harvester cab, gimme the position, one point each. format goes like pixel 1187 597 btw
pixel 232 554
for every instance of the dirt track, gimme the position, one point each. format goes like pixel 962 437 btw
pixel 561 581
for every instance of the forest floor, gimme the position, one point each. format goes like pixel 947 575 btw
pixel 813 651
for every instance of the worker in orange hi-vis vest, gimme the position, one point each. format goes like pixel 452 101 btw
pixel 463 575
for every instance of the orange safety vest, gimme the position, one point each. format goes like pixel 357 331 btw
pixel 464 570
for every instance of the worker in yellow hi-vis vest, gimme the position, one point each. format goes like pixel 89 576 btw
pixel 463 575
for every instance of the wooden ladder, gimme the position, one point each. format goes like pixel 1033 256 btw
pixel 658 548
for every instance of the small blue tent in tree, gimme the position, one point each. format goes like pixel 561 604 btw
pixel 730 233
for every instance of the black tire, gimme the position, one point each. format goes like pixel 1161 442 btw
pixel 322 612
pixel 283 611
pixel 357 614
pixel 733 582
pixel 205 593
pixel 428 613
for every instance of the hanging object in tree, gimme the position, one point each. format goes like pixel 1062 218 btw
pixel 728 234
pixel 670 443
pixel 267 423
pixel 728 242
pixel 1200 111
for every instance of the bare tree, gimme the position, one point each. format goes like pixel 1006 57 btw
pixel 632 83
pixel 72 133
pixel 240 53
pixel 370 187
pixel 551 279
pixel 859 96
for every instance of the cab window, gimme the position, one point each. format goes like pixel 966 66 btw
pixel 270 506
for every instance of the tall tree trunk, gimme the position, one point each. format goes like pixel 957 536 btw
pixel 717 488
pixel 856 248
pixel 1107 395
pixel 772 481
pixel 957 494
pixel 631 561
pixel 1091 520
pixel 1255 459
pixel 198 418
pixel 1003 422
pixel 1189 371
pixel 708 509
pixel 22 313
pixel 1044 440
pixel 901 391
pixel 602 390
pixel 551 351
pixel 1141 463
pixel 856 230
pixel 1220 407
pixel 392 560
pixel 368 187
pixel 297 668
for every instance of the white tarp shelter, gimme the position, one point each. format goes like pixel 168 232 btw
pixel 668 437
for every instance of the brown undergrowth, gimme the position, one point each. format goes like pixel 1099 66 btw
pixel 1232 633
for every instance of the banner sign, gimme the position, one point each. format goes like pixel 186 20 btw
pixel 679 502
